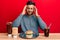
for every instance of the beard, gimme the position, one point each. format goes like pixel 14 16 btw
pixel 29 13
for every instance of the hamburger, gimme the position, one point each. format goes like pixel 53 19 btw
pixel 29 34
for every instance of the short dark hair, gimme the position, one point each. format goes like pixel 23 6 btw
pixel 30 3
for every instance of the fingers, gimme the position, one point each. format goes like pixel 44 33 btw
pixel 35 8
pixel 24 10
pixel 36 12
pixel 25 7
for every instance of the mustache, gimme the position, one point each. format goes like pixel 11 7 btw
pixel 29 11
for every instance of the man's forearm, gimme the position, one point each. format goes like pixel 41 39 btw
pixel 17 21
pixel 41 23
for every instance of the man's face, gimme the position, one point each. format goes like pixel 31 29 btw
pixel 30 9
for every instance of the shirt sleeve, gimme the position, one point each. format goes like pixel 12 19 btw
pixel 17 21
pixel 41 23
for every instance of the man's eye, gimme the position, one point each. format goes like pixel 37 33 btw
pixel 31 8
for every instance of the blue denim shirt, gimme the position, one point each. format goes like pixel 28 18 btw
pixel 29 23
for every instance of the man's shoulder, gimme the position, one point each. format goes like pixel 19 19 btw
pixel 24 16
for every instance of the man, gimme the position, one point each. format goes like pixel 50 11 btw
pixel 29 20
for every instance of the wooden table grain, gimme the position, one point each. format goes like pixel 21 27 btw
pixel 52 36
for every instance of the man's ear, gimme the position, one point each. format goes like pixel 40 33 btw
pixel 34 10
pixel 26 10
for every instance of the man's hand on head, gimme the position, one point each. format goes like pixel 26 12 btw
pixel 36 12
pixel 24 10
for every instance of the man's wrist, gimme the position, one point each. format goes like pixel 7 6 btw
pixel 23 13
pixel 37 14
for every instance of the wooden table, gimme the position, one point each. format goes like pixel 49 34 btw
pixel 52 36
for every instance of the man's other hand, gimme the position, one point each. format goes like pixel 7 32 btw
pixel 24 10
